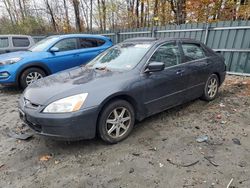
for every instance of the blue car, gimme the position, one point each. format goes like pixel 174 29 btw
pixel 51 55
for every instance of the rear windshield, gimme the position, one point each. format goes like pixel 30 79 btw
pixel 4 42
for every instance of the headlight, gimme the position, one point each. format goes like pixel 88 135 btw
pixel 69 104
pixel 10 61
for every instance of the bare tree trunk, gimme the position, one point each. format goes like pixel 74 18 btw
pixel 77 15
pixel 21 9
pixel 15 14
pixel 91 15
pixel 147 22
pixel 130 10
pixel 51 13
pixel 142 13
pixel 156 11
pixel 85 12
pixel 163 10
pixel 179 9
pixel 66 14
pixel 8 8
pixel 137 14
pixel 25 8
pixel 100 13
pixel 104 14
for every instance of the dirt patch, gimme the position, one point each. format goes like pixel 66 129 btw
pixel 162 151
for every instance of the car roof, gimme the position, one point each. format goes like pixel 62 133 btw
pixel 10 35
pixel 158 40
pixel 80 35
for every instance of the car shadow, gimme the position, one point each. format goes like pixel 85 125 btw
pixel 10 90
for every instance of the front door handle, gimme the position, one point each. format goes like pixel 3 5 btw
pixel 180 72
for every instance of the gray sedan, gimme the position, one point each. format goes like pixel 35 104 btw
pixel 130 81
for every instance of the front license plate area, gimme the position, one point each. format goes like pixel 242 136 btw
pixel 22 115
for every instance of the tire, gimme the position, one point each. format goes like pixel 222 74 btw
pixel 25 78
pixel 211 88
pixel 115 127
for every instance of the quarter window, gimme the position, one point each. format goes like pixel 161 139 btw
pixel 90 42
pixel 192 52
pixel 67 44
pixel 4 42
pixel 20 42
pixel 168 54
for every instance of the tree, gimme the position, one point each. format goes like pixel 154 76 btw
pixel 51 13
pixel 77 15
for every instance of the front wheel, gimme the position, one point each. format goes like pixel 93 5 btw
pixel 116 121
pixel 31 75
pixel 211 88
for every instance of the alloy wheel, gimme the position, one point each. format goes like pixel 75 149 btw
pixel 32 77
pixel 118 122
pixel 212 87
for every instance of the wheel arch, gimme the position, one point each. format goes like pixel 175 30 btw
pixel 32 65
pixel 121 96
pixel 219 78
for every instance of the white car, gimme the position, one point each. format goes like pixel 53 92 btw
pixel 12 43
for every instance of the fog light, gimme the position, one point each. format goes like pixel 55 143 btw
pixel 4 74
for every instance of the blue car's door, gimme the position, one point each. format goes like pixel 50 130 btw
pixel 165 88
pixel 67 57
pixel 90 48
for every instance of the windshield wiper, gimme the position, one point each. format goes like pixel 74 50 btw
pixel 102 68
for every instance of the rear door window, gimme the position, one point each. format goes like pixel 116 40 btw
pixel 90 42
pixel 20 41
pixel 192 52
pixel 67 44
pixel 4 42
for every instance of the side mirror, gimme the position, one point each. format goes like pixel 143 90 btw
pixel 54 49
pixel 155 67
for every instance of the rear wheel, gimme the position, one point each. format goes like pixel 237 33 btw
pixel 116 121
pixel 31 75
pixel 211 88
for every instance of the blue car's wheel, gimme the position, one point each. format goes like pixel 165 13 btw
pixel 31 75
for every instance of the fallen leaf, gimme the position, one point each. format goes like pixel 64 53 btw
pixel 45 157
pixel 218 116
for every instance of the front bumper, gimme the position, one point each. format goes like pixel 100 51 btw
pixel 8 74
pixel 68 126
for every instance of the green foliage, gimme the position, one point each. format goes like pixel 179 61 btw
pixel 30 25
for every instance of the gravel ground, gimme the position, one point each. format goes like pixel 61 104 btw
pixel 162 150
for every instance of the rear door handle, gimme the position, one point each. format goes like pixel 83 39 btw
pixel 180 71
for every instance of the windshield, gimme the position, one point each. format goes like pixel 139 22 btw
pixel 43 44
pixel 124 56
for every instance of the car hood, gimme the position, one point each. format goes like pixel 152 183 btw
pixel 21 54
pixel 68 83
